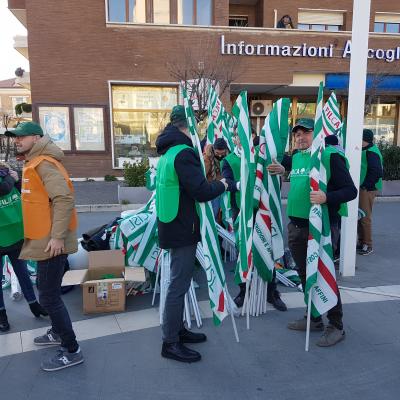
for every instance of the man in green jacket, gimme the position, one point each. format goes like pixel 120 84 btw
pixel 340 190
pixel 370 183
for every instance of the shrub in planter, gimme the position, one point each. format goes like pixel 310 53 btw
pixel 134 173
pixel 110 178
pixel 391 161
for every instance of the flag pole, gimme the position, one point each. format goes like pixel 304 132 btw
pixel 227 296
pixel 310 292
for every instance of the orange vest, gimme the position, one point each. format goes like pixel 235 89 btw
pixel 36 205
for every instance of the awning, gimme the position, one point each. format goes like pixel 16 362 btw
pixel 385 83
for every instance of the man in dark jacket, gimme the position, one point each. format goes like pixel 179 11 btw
pixel 370 183
pixel 340 190
pixel 180 184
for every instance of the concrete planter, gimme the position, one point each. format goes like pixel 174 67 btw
pixel 390 188
pixel 133 195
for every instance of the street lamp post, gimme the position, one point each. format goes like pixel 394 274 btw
pixel 355 123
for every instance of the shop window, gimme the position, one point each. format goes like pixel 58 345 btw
pixel 381 119
pixel 385 22
pixel 161 11
pixel 55 123
pixel 238 20
pixel 139 114
pixel 89 128
pixel 320 20
pixel 127 11
pixel 195 12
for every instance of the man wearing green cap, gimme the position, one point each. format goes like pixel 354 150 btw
pixel 50 222
pixel 370 183
pixel 340 189
pixel 180 184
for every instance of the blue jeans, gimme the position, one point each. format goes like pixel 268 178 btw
pixel 216 204
pixel 21 271
pixel 49 277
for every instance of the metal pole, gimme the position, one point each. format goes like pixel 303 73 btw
pixel 355 122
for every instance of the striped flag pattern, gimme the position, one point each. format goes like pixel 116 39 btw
pixel 247 172
pixel 217 120
pixel 268 245
pixel 320 278
pixel 212 254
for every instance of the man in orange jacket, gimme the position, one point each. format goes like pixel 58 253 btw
pixel 50 222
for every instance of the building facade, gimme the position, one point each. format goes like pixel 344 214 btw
pixel 103 73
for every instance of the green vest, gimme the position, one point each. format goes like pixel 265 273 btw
pixel 299 194
pixel 167 185
pixel 298 204
pixel 234 162
pixel 364 165
pixel 11 225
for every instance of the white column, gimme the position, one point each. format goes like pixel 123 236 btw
pixel 355 122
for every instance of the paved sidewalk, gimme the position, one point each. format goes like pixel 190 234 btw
pixel 122 350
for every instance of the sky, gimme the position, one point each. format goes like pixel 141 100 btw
pixel 10 59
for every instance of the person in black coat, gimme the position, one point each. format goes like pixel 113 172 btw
pixel 181 234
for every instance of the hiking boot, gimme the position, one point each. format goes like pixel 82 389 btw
pixel 186 336
pixel 301 325
pixel 276 301
pixel 331 336
pixel 365 250
pixel 177 351
pixel 37 310
pixel 48 339
pixel 4 325
pixel 62 360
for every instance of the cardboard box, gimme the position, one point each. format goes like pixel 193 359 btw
pixel 104 295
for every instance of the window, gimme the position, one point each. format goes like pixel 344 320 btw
pixel 196 12
pixel 381 119
pixel 55 123
pixel 161 11
pixel 379 27
pixel 204 12
pixel 185 12
pixel 389 23
pixel 89 128
pixel 139 114
pixel 320 20
pixel 127 11
pixel 238 20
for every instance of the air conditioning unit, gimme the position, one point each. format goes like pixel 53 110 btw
pixel 260 108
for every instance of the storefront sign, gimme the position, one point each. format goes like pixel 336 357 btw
pixel 242 48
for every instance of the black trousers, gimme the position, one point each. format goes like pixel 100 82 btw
pixel 49 277
pixel 298 238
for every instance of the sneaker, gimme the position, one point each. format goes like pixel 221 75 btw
pixel 365 250
pixel 331 336
pixel 301 325
pixel 48 339
pixel 359 246
pixel 62 360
